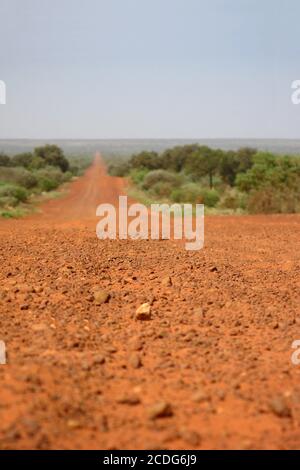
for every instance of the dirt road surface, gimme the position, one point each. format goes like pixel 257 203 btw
pixel 211 368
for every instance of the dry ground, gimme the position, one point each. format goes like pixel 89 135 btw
pixel 215 358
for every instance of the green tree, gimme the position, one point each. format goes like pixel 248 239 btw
pixel 204 162
pixel 53 156
pixel 22 159
pixel 4 160
pixel 146 160
pixel 245 157
pixel 229 166
pixel 175 159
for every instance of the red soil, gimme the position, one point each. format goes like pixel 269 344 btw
pixel 217 349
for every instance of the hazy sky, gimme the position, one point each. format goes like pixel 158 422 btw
pixel 149 68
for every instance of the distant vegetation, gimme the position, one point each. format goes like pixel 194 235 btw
pixel 242 181
pixel 31 173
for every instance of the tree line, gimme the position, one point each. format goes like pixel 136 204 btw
pixel 245 180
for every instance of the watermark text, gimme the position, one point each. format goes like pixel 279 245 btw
pixel 162 221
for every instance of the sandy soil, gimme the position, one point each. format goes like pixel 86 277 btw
pixel 210 369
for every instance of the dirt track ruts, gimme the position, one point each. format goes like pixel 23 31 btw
pixel 217 350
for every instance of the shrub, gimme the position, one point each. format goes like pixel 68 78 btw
pixel 19 176
pixel 210 197
pixel 52 155
pixel 137 176
pixel 158 176
pixel 47 184
pixel 4 160
pixel 233 199
pixel 148 160
pixel 49 178
pixel 25 178
pixel 194 194
pixel 8 201
pixel 67 176
pixel 119 169
pixel 188 193
pixel 22 159
pixel 16 193
pixel 270 200
pixel 162 189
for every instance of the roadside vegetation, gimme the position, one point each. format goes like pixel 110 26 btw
pixel 243 181
pixel 26 176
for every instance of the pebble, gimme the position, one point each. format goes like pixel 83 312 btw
pixel 200 396
pixel 143 312
pixel 161 409
pixel 129 400
pixel 101 297
pixel 73 424
pixel 99 359
pixel 37 327
pixel 280 408
pixel 166 281
pixel 190 437
pixel 135 361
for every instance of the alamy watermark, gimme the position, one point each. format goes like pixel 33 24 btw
pixel 162 221
pixel 2 353
pixel 295 358
pixel 2 92
pixel 295 97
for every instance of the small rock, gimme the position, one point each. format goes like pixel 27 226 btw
pixel 280 408
pixel 24 307
pixel 32 427
pixel 213 269
pixel 135 361
pixel 37 327
pixel 199 313
pixel 200 396
pixel 143 312
pixel 73 424
pixel 166 281
pixel 101 297
pixel 100 359
pixel 129 400
pixel 190 437
pixel 221 394
pixel 136 344
pixel 160 410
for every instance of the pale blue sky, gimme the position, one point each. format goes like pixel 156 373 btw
pixel 149 68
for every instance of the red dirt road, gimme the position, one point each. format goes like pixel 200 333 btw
pixel 215 356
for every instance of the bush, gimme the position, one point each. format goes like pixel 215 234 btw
pixel 233 199
pixel 270 200
pixel 22 159
pixel 210 197
pixel 8 201
pixel 67 176
pixel 25 178
pixel 162 189
pixel 158 176
pixel 188 193
pixel 137 176
pixel 49 178
pixel 146 160
pixel 4 160
pixel 52 155
pixel 119 169
pixel 16 193
pixel 193 194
